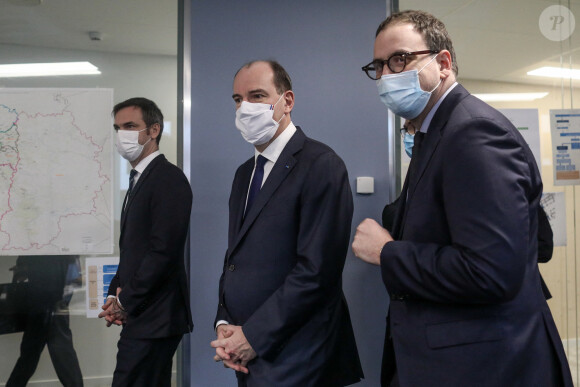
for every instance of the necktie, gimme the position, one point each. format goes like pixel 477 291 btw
pixel 131 183
pixel 418 139
pixel 256 183
pixel 131 179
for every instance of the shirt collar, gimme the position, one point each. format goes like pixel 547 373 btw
pixel 274 150
pixel 145 162
pixel 427 121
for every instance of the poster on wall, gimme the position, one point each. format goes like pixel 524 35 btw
pixel 99 271
pixel 528 124
pixel 56 171
pixel 565 130
pixel 554 204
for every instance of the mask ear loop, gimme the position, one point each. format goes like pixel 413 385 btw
pixel 272 108
pixel 427 64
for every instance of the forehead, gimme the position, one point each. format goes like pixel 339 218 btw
pixel 130 113
pixel 258 76
pixel 398 37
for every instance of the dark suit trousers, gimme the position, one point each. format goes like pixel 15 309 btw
pixel 52 330
pixel 145 362
pixel 242 382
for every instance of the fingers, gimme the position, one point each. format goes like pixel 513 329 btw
pixel 222 354
pixel 106 305
pixel 111 315
pixel 236 366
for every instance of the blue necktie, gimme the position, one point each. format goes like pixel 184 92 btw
pixel 256 183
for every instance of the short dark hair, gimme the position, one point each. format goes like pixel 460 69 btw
pixel 433 30
pixel 151 113
pixel 282 81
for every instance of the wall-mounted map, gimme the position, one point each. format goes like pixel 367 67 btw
pixel 56 171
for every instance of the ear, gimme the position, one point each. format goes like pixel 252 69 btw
pixel 154 130
pixel 445 64
pixel 288 101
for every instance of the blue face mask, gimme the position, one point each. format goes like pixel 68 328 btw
pixel 402 93
pixel 409 141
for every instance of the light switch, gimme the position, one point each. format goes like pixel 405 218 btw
pixel 365 185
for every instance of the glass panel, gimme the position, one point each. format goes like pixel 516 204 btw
pixel 135 50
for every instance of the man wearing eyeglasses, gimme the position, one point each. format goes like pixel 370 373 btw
pixel 460 265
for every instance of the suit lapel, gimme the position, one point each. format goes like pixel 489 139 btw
pixel 430 143
pixel 156 161
pixel 398 223
pixel 239 193
pixel 284 165
pixel 428 147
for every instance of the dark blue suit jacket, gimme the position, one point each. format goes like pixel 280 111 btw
pixel 467 307
pixel 282 278
pixel 151 271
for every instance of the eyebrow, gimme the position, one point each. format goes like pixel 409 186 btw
pixel 252 92
pixel 124 124
pixel 396 52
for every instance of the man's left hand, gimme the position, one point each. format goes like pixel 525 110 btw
pixel 112 311
pixel 238 348
pixel 369 240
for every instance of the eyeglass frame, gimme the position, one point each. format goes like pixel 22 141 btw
pixel 404 131
pixel 368 67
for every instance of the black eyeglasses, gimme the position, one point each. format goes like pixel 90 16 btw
pixel 396 63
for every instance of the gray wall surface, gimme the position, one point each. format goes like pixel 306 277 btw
pixel 322 44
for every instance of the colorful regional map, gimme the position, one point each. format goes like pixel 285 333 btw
pixel 56 171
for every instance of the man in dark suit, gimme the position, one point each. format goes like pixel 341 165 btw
pixel 467 307
pixel 149 294
pixel 282 318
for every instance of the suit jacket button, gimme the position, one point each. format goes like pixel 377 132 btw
pixel 232 267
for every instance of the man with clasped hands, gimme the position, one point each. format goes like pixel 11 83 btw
pixel 149 294
pixel 282 319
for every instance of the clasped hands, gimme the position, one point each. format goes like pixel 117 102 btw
pixel 233 348
pixel 113 312
pixel 369 240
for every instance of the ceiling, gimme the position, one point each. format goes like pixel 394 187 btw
pixel 127 26
pixel 496 40
pixel 500 40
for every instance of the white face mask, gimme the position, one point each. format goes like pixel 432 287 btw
pixel 128 144
pixel 256 123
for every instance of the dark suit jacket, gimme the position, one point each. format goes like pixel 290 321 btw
pixel 151 271
pixel 545 236
pixel 282 278
pixel 467 307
